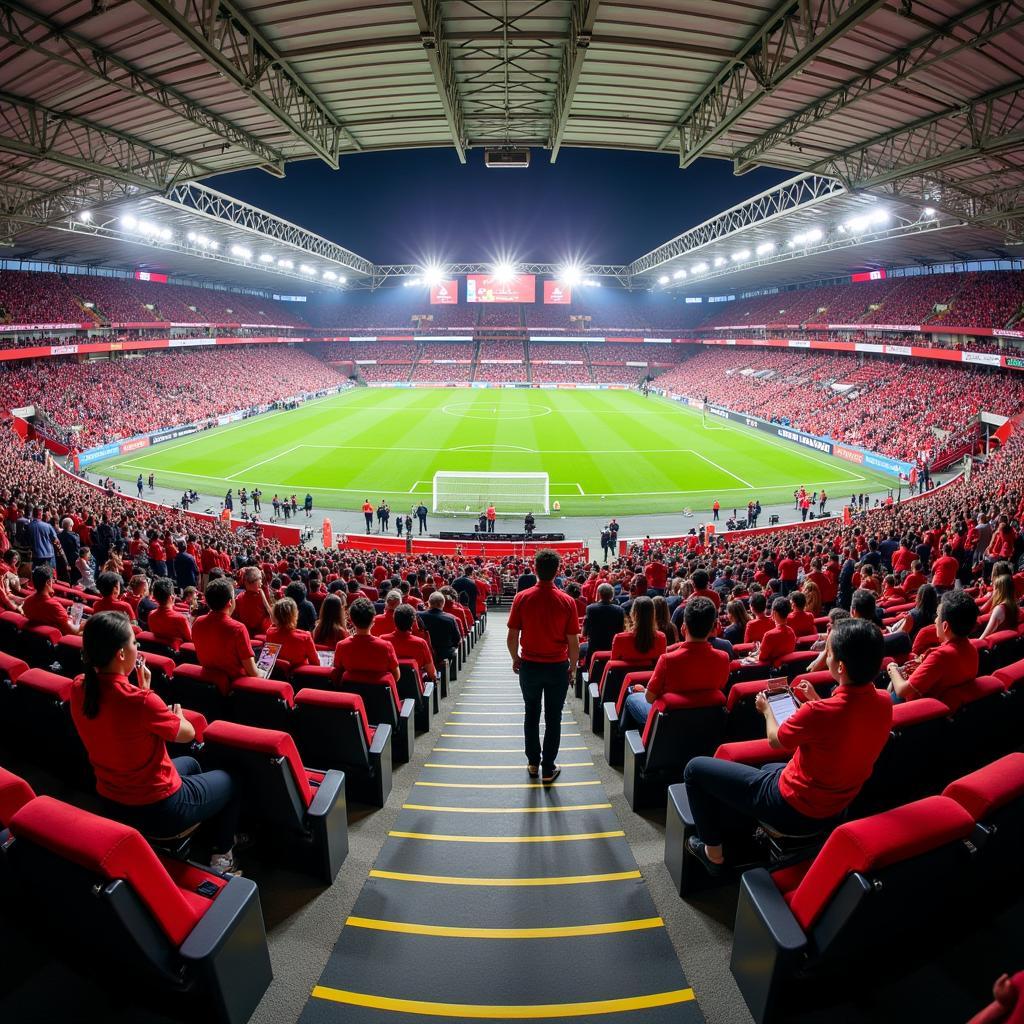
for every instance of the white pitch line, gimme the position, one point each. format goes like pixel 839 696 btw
pixel 711 462
pixel 583 493
pixel 416 484
pixel 273 458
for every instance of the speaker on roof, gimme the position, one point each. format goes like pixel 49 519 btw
pixel 506 157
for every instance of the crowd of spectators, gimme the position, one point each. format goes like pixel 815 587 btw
pixel 569 373
pixel 39 299
pixel 502 350
pixel 112 398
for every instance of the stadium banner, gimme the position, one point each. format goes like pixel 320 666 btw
pixel 190 342
pixel 868 346
pixel 106 451
pixel 63 350
pixel 134 444
pixel 486 288
pixel 149 275
pixel 844 451
pixel 982 358
pixel 898 350
pixel 658 341
pixel 444 293
pixel 557 294
pixel 172 433
pixel 798 343
pixel 9 328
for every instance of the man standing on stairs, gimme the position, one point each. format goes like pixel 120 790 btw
pixel 543 639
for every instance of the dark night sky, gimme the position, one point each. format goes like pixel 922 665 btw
pixel 592 205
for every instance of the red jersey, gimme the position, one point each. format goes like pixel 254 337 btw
pixel 547 618
pixel 692 665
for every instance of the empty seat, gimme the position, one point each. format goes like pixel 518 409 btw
pixel 680 726
pixel 412 687
pixel 609 687
pixel 42 725
pixel 293 808
pixel 266 703
pixel 614 734
pixel 994 798
pixel 873 880
pixel 384 706
pixel 15 792
pixel 332 731
pixel 745 722
pixel 99 891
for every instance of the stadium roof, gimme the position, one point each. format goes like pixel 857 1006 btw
pixel 106 101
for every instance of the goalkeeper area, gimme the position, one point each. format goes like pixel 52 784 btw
pixel 604 452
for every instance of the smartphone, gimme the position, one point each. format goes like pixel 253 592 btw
pixel 782 704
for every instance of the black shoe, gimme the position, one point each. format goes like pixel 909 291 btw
pixel 696 848
pixel 551 776
pixel 533 770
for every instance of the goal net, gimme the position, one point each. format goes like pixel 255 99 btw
pixel 508 492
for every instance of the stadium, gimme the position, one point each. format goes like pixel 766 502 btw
pixel 512 511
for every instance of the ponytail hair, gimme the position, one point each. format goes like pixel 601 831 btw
pixel 104 635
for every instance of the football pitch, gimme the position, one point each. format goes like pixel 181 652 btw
pixel 605 452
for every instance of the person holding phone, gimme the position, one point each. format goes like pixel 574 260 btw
pixel 125 728
pixel 834 743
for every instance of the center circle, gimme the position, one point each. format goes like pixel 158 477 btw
pixel 474 411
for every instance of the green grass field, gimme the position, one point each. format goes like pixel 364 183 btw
pixel 605 452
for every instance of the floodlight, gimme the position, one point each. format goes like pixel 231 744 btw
pixel 286 264
pixel 85 216
pixel 765 247
pixel 719 261
pixel 433 275
pixel 504 271
pixel 880 217
pixel 664 279
pixel 265 257
pixel 342 279
pixel 699 268
pixel 571 275
pixel 305 268
pixel 743 254
pixel 928 211
pixel 165 234
pixel 330 275
pixel 678 275
pixel 191 236
pixel 129 222
pixel 215 246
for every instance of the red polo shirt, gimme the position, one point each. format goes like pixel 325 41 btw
pixel 825 586
pixel 171 626
pixel 363 653
pixel 113 604
pixel 712 595
pixel 297 647
pixel 913 583
pixel 127 741
pixel 546 618
pixel 756 629
pixel 693 665
pixel 45 611
pixel 249 611
pixel 788 569
pixel 624 648
pixel 835 744
pixel 656 574
pixel 222 643
pixel 412 648
pixel 775 644
pixel 944 571
pixel 948 665
pixel 802 623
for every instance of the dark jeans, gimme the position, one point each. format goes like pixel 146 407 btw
pixel 207 797
pixel 369 521
pixel 716 787
pixel 547 682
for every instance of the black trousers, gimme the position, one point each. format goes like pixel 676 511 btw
pixel 543 683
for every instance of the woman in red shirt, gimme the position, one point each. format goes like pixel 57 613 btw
pixel 643 642
pixel 332 626
pixel 125 728
pixel 297 647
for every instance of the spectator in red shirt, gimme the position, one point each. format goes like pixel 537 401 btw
pixel 914 579
pixel 167 625
pixel 109 586
pixel 834 742
pixel 800 620
pixel 644 642
pixel 297 647
pixel 691 665
pixel 385 622
pixel 944 570
pixel 125 728
pixel 543 640
pixel 332 622
pixel 788 569
pixel 41 608
pixel 221 642
pixel 252 608
pixel 408 646
pixel 363 652
pixel 780 640
pixel 760 623
pixel 657 576
pixel 953 663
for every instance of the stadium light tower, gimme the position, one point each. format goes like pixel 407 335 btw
pixel 504 270
pixel 433 275
pixel 571 275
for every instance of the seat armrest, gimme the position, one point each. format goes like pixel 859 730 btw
pixel 233 902
pixel 325 796
pixel 381 738
pixel 751 752
pixel 407 709
pixel 760 895
pixel 428 689
pixel 635 743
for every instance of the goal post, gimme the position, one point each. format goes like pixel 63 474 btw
pixel 508 492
